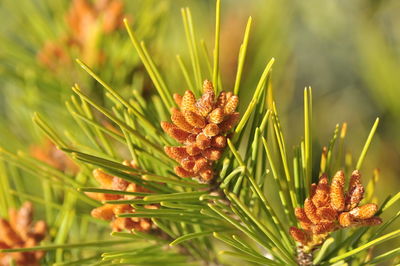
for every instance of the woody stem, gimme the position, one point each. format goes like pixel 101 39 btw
pixel 304 258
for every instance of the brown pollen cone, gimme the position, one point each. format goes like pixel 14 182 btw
pixel 48 152
pixel 110 212
pixel 20 232
pixel 200 125
pixel 330 208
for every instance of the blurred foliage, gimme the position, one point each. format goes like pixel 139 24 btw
pixel 348 51
pixel 40 41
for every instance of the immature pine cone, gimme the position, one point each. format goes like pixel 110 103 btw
pixel 109 212
pixel 19 232
pixel 329 208
pixel 201 127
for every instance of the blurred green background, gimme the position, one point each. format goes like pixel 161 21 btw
pixel 347 51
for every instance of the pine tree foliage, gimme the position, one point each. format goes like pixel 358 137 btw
pixel 244 213
pixel 40 41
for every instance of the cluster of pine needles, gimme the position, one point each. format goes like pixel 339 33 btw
pixel 114 168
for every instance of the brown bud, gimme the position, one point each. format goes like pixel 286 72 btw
pixel 231 104
pixel 213 154
pixel 3 246
pixel 218 142
pixel 207 86
pixel 193 150
pixel 188 101
pixel 301 215
pixel 364 212
pixel 179 120
pixel 188 164
pixel 336 191
pixel 30 242
pixel 311 211
pixel 13 218
pixel 355 192
pixel 299 235
pixel 176 153
pixel 354 179
pixel 119 183
pixel 194 119
pixel 313 188
pixel 39 230
pixel 39 254
pixel 104 179
pixel 8 235
pixel 206 175
pixel 120 224
pixel 211 130
pixel 96 196
pixel 23 258
pixel 216 116
pixel 303 219
pixel 191 139
pixel 122 208
pixel 221 100
pixel 321 196
pixel 175 132
pixel 180 171
pixel 200 164
pixel 105 212
pixel 144 225
pixel 202 141
pixel 178 99
pixel 132 187
pixel 345 219
pixel 354 197
pixel 229 122
pixel 206 103
pixel 327 214
pixel 323 228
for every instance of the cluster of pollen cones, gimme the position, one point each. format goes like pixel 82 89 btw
pixel 201 126
pixel 85 19
pixel 329 208
pixel 110 212
pixel 19 232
